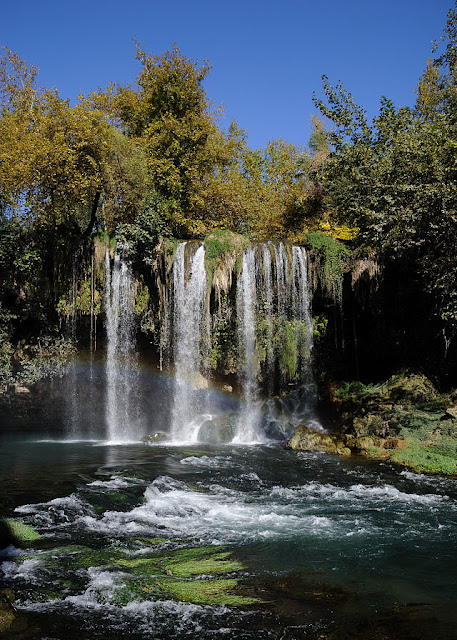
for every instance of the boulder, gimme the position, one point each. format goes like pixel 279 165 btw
pixel 305 439
pixel 276 430
pixel 219 430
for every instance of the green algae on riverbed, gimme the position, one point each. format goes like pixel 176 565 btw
pixel 184 574
pixel 20 532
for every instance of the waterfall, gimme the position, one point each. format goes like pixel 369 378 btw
pixel 282 272
pixel 122 420
pixel 245 304
pixel 270 329
pixel 267 296
pixel 273 307
pixel 73 407
pixel 191 327
pixel 301 308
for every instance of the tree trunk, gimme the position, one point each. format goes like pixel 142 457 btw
pixel 93 215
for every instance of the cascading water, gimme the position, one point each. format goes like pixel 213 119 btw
pixel 73 405
pixel 282 269
pixel 273 332
pixel 267 298
pixel 245 303
pixel 273 306
pixel 301 307
pixel 122 419
pixel 191 327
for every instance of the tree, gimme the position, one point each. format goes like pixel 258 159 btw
pixel 168 114
pixel 59 164
pixel 396 179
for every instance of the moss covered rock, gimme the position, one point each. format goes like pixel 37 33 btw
pixel 404 420
pixel 306 439
pixel 223 251
pixel 17 533
pixel 220 429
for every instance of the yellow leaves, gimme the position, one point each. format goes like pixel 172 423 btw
pixel 337 231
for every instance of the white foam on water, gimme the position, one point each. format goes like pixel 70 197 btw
pixel 25 570
pixel 10 552
pixel 217 462
pixel 63 511
pixel 116 482
pixel 101 589
pixel 251 476
pixel 219 516
pixel 382 494
pixel 65 441
pixel 119 443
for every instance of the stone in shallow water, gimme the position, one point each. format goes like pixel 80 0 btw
pixel 277 430
pixel 220 429
pixel 306 439
pixel 159 436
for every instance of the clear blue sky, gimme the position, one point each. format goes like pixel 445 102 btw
pixel 267 57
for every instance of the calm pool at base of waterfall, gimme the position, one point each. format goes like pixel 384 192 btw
pixel 225 542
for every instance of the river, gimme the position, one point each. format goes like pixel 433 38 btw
pixel 231 542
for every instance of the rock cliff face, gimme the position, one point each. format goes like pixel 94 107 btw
pixel 257 317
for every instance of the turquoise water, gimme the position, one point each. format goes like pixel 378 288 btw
pixel 329 547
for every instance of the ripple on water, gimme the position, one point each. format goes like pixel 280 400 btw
pixel 325 517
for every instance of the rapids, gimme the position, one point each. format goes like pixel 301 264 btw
pixel 314 544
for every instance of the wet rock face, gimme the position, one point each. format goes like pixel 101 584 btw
pixel 219 430
pixel 306 439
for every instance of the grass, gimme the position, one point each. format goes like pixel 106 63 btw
pixel 425 458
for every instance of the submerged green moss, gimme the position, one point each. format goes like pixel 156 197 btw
pixel 208 592
pixel 133 563
pixel 23 533
pixel 201 561
pixel 194 452
pixel 189 574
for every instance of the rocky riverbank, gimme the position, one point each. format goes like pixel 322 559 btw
pixel 404 420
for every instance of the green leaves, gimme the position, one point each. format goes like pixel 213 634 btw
pixel 396 178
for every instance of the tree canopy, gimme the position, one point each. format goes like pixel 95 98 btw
pixel 150 159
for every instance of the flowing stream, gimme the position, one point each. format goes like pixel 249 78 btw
pixel 156 542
